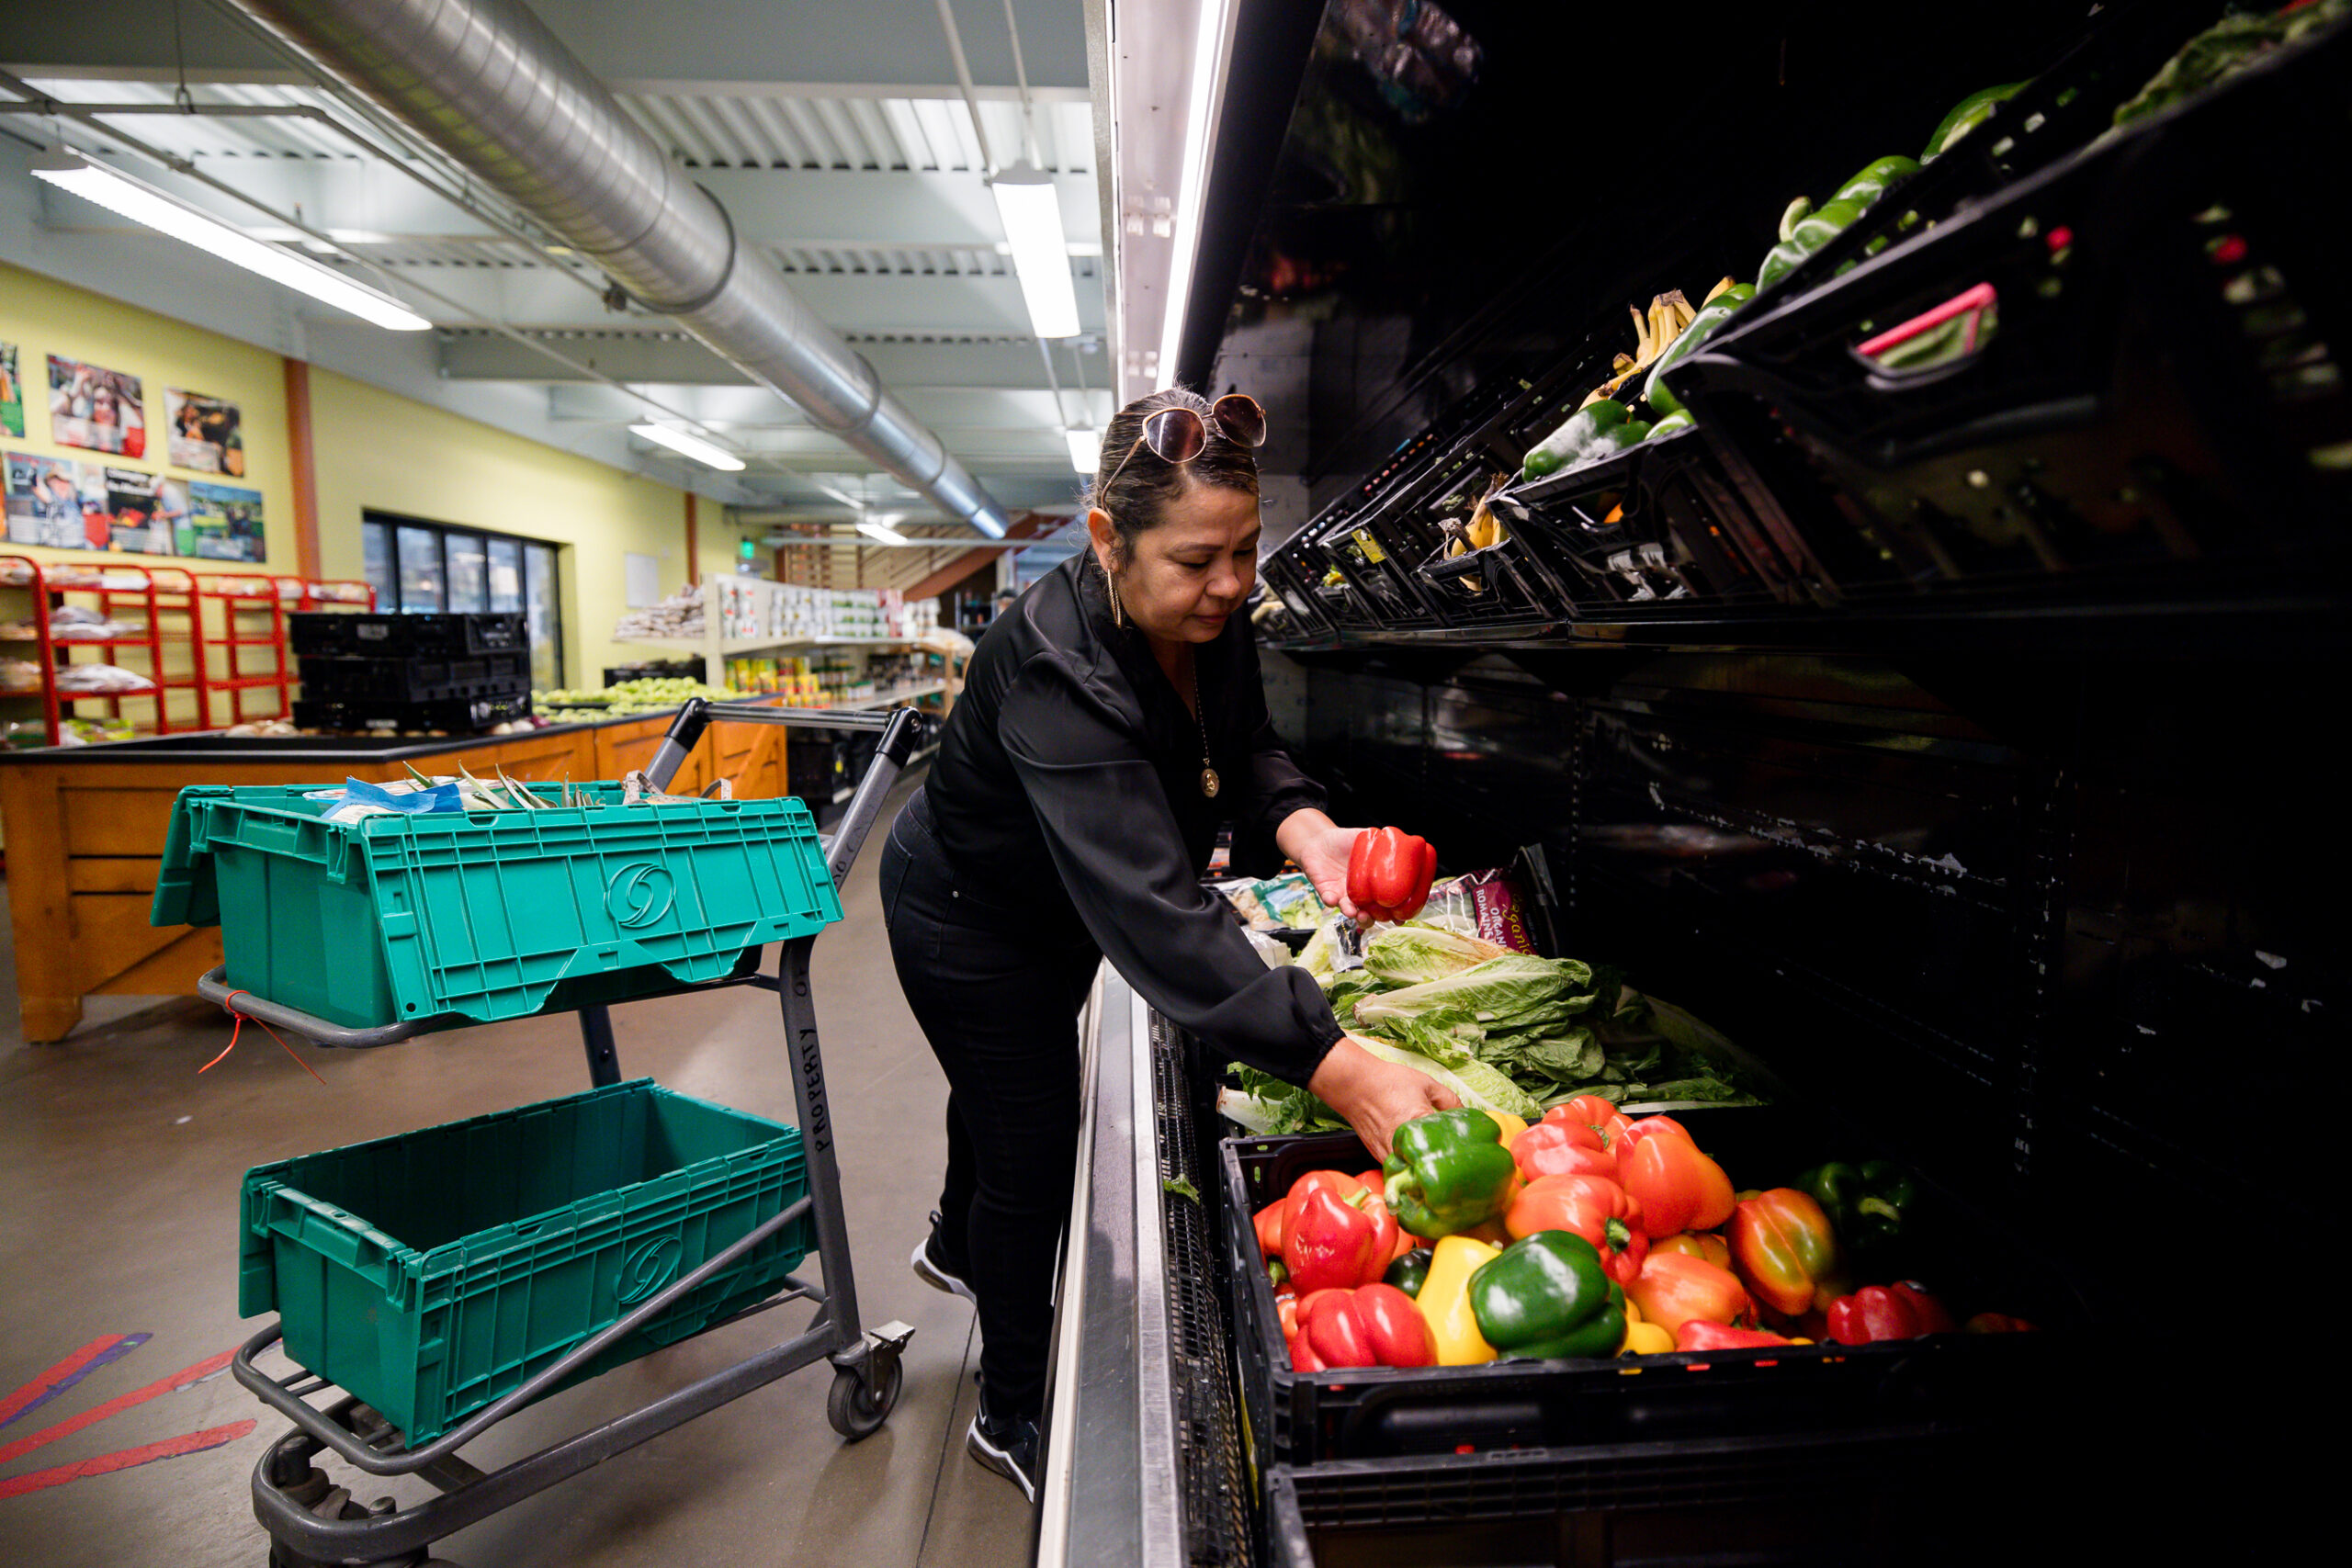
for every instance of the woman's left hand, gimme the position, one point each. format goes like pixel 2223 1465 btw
pixel 1321 847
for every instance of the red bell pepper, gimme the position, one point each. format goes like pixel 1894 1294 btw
pixel 1563 1149
pixel 1375 1325
pixel 1700 1334
pixel 1996 1323
pixel 1389 873
pixel 1877 1312
pixel 1592 1207
pixel 1337 1240
pixel 1268 1223
pixel 1782 1248
pixel 1673 1287
pixel 1591 1111
pixel 1680 1189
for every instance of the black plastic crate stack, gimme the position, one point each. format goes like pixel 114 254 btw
pixel 450 672
pixel 2154 410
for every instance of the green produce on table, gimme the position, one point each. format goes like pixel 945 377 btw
pixel 1569 444
pixel 1448 1171
pixel 1517 989
pixel 1967 115
pixel 1809 234
pixel 2226 47
pixel 1713 314
pixel 1866 1202
pixel 1411 1272
pixel 1548 1296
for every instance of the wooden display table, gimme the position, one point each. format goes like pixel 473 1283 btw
pixel 85 826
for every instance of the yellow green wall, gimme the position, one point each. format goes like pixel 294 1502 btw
pixel 372 449
pixel 377 450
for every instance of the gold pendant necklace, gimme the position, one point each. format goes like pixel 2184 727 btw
pixel 1208 768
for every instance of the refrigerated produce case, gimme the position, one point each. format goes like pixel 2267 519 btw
pixel 1956 739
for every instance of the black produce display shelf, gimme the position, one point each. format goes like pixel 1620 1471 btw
pixel 458 634
pixel 1959 1381
pixel 2148 447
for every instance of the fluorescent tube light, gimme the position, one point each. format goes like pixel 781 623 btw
pixel 1216 21
pixel 144 203
pixel 882 531
pixel 1085 449
pixel 1032 212
pixel 693 447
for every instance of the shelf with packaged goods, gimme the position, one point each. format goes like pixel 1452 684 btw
pixel 142 599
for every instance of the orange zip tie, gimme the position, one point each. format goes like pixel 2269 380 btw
pixel 265 1029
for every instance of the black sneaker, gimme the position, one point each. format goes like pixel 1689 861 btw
pixel 1008 1446
pixel 931 1265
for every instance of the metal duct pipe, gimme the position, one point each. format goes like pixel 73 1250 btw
pixel 488 85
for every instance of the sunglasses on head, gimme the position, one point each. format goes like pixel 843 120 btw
pixel 1181 434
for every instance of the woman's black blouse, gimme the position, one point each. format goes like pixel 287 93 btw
pixel 1070 748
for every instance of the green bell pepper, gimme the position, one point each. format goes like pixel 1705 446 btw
pixel 1411 1272
pixel 1448 1171
pixel 1967 115
pixel 1713 314
pixel 1568 444
pixel 1811 233
pixel 1674 423
pixel 1549 1296
pixel 1870 185
pixel 1864 1202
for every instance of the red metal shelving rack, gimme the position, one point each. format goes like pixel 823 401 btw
pixel 240 597
pixel 147 600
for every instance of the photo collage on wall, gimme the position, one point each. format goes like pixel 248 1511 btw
pixel 68 503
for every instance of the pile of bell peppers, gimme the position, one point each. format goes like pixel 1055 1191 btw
pixel 1588 1234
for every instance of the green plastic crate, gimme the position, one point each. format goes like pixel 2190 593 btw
pixel 432 1272
pixel 485 915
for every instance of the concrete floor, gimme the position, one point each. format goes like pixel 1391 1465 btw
pixel 121 1167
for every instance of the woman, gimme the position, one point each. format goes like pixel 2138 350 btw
pixel 1109 722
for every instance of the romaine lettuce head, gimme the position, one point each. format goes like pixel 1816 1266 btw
pixel 1473 1083
pixel 1407 955
pixel 1516 990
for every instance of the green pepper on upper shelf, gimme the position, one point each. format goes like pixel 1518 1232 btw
pixel 1713 314
pixel 1808 234
pixel 1967 115
pixel 1574 439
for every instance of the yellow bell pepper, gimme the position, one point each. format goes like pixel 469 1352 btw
pixel 1512 1126
pixel 1646 1339
pixel 1445 1301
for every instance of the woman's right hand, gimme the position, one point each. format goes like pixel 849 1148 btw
pixel 1375 1094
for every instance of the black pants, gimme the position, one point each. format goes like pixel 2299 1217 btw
pixel 999 1001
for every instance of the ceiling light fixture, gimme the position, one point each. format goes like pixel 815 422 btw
pixel 694 446
pixel 1030 210
pixel 1085 449
pixel 882 531
pixel 142 203
pixel 1208 48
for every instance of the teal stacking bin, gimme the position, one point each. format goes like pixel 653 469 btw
pixel 485 915
pixel 432 1272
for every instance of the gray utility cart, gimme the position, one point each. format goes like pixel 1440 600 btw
pixel 313 1522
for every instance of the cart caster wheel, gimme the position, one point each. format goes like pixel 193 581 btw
pixel 853 1412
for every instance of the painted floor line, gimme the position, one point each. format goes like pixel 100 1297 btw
pixel 124 1458
pixel 121 1402
pixel 46 1386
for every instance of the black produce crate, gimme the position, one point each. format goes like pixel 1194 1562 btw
pixel 454 716
pixel 2159 414
pixel 459 635
pixel 1376 591
pixel 1290 581
pixel 414 680
pixel 1868 1495
pixel 1960 1379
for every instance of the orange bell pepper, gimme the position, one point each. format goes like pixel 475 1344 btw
pixel 1674 1288
pixel 1592 1207
pixel 1563 1149
pixel 1783 1246
pixel 1697 1244
pixel 1679 1187
pixel 1268 1223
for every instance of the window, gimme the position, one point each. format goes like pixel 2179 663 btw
pixel 421 566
